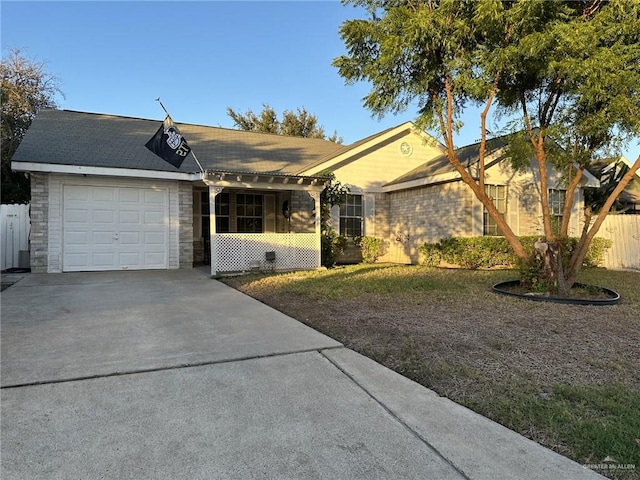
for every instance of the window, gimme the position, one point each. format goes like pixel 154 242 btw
pixel 204 213
pixel 351 216
pixel 498 194
pixel 249 213
pixel 556 206
pixel 222 213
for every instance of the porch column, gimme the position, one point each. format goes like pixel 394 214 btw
pixel 316 200
pixel 213 192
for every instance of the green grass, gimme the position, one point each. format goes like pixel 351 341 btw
pixel 353 281
pixel 565 376
pixel 591 422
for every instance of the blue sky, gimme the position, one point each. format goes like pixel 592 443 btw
pixel 201 57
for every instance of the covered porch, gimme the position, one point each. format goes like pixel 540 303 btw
pixel 257 221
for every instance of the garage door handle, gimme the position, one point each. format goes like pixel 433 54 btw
pixel 116 236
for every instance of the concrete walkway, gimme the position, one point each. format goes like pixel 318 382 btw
pixel 172 375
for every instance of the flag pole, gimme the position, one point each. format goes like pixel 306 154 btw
pixel 192 152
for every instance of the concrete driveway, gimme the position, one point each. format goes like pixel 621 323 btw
pixel 169 374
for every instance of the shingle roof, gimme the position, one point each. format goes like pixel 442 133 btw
pixel 468 156
pixel 631 193
pixel 88 139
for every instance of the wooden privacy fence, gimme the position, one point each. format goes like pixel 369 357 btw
pixel 14 235
pixel 624 232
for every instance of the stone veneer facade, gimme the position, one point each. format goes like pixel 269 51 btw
pixel 409 218
pixel 39 213
pixel 302 208
pixel 185 228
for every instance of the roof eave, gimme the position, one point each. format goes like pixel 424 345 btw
pixel 22 166
pixel 264 180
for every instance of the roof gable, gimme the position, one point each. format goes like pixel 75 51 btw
pixel 440 167
pixel 355 151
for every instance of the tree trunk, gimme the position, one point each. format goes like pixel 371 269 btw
pixel 549 254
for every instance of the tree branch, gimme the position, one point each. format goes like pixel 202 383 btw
pixel 575 263
pixel 551 103
pixel 538 146
pixel 568 199
pixel 483 131
pixel 466 177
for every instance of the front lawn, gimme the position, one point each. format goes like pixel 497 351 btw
pixel 566 376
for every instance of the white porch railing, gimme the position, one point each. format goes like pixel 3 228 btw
pixel 240 252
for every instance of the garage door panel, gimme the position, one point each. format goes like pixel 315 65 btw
pixel 73 215
pixel 101 237
pixel 76 238
pixel 154 260
pixel 131 259
pixel 77 193
pixel 130 238
pixel 129 216
pixel 114 228
pixel 104 216
pixel 103 194
pixel 102 260
pixel 154 197
pixel 154 238
pixel 153 218
pixel 129 195
pixel 76 259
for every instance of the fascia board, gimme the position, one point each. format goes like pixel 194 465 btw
pixel 421 182
pixel 629 163
pixel 263 185
pixel 102 171
pixel 589 179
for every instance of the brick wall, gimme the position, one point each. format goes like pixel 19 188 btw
pixel 424 215
pixel 185 228
pixel 302 218
pixel 39 237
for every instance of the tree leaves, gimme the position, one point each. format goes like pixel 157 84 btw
pixel 566 72
pixel 297 124
pixel 26 89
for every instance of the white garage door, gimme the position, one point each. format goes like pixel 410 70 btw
pixel 114 228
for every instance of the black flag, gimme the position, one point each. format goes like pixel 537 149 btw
pixel 169 144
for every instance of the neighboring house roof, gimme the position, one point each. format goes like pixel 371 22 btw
pixel 65 137
pixel 631 193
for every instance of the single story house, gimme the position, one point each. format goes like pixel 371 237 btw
pixel 102 201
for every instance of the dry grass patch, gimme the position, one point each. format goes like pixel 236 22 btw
pixel 566 376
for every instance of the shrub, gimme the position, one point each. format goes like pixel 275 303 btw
pixel 487 252
pixel 595 254
pixel 472 252
pixel 371 247
pixel 332 246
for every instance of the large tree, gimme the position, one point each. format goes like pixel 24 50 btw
pixel 566 73
pixel 297 124
pixel 26 88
